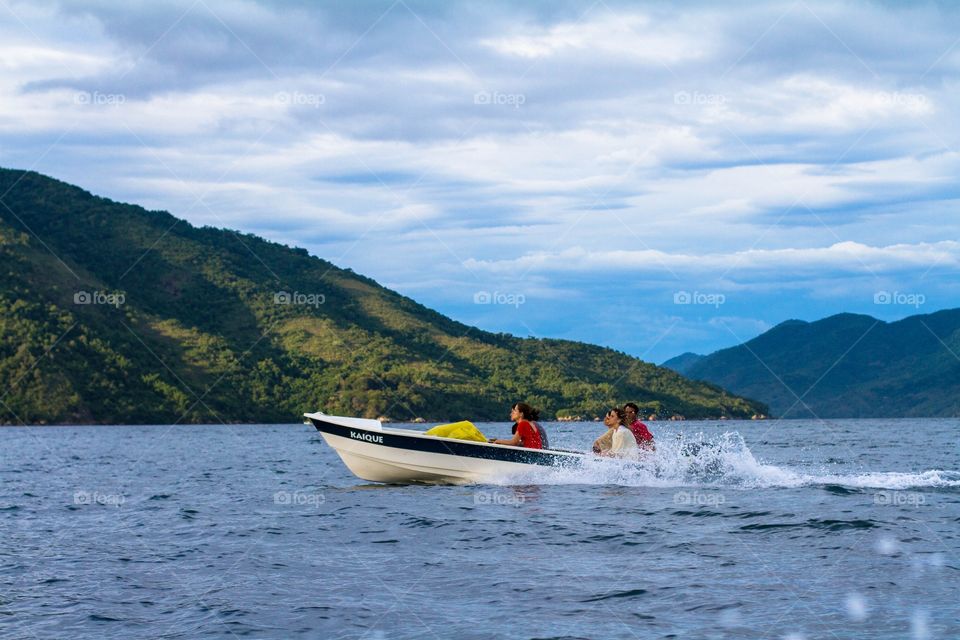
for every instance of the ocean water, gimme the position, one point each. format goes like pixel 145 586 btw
pixel 785 529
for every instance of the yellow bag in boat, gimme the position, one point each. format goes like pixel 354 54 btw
pixel 462 430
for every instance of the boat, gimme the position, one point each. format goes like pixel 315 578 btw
pixel 404 456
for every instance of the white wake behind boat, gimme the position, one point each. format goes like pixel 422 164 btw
pixel 401 456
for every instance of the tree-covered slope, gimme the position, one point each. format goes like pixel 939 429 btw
pixel 847 366
pixel 110 313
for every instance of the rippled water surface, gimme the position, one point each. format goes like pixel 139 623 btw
pixel 792 529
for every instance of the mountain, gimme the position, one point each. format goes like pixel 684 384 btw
pixel 114 314
pixel 847 366
pixel 683 362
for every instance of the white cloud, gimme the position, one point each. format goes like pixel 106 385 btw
pixel 605 35
pixel 841 256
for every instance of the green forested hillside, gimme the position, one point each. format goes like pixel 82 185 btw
pixel 847 366
pixel 113 314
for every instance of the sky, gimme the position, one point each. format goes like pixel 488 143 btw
pixel 653 177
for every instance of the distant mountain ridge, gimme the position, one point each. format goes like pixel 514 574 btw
pixel 683 362
pixel 846 365
pixel 114 314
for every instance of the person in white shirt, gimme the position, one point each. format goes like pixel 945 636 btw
pixel 618 441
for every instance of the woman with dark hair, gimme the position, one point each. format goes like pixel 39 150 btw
pixel 618 440
pixel 529 434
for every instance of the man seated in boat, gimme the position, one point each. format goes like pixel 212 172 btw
pixel 528 432
pixel 640 431
pixel 618 441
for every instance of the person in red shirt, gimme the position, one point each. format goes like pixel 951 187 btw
pixel 529 434
pixel 640 431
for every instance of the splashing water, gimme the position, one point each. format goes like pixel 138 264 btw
pixel 722 461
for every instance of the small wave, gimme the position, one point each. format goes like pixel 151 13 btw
pixel 616 594
pixel 424 522
pixel 829 525
pixel 840 490
pixel 95 617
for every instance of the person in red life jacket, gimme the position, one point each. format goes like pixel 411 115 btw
pixel 529 434
pixel 640 431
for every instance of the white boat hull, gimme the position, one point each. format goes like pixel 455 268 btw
pixel 401 456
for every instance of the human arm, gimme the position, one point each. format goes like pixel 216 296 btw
pixel 604 443
pixel 513 442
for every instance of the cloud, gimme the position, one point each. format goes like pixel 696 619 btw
pixel 841 256
pixel 609 35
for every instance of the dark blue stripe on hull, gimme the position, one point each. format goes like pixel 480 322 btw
pixel 462 448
